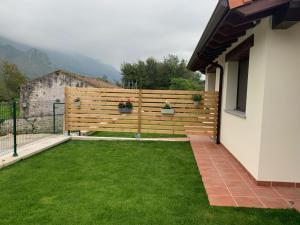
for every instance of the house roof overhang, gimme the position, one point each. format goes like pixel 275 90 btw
pixel 232 18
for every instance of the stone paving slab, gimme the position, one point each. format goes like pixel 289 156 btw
pixel 22 139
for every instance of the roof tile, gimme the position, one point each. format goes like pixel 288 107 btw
pixel 238 3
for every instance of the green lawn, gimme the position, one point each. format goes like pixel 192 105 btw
pixel 118 183
pixel 132 135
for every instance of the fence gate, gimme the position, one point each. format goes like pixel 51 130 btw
pixel 96 109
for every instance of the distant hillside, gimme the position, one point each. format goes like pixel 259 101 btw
pixel 83 65
pixel 32 62
pixel 36 62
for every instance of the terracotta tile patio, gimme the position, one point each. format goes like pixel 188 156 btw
pixel 228 184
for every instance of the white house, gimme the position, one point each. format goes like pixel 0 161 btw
pixel 250 53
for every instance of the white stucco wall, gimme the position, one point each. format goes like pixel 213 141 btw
pixel 280 142
pixel 267 140
pixel 210 82
pixel 242 136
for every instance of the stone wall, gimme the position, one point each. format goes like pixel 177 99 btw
pixel 37 96
pixel 33 125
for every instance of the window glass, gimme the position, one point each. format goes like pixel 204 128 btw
pixel 242 85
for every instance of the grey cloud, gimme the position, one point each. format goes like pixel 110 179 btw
pixel 113 31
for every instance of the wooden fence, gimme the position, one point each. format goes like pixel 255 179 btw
pixel 98 111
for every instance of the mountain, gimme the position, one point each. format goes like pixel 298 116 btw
pixel 83 65
pixel 35 62
pixel 32 62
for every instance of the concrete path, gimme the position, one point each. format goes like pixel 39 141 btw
pixel 33 148
pixel 90 138
pixel 7 143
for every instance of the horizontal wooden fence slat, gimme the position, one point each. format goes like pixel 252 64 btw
pixel 98 111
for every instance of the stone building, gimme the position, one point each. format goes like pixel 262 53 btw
pixel 37 97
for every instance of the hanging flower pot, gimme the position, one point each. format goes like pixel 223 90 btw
pixel 196 104
pixel 167 109
pixel 77 103
pixel 125 107
pixel 197 99
pixel 125 110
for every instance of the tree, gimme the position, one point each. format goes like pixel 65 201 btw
pixel 11 80
pixel 105 78
pixel 152 74
pixel 185 84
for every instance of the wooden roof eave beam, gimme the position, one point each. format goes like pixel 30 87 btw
pixel 286 16
pixel 259 6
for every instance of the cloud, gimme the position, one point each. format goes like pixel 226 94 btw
pixel 112 31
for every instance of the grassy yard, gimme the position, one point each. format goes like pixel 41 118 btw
pixel 118 183
pixel 132 135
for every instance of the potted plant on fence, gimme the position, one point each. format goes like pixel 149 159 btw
pixel 125 107
pixel 77 102
pixel 197 99
pixel 167 109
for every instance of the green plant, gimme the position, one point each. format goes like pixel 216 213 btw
pixel 167 105
pixel 77 99
pixel 2 121
pixel 197 98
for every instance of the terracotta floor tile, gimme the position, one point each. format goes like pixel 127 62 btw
pixel 218 185
pixel 241 191
pixel 235 183
pixel 228 171
pixel 217 190
pixel 265 192
pixel 231 176
pixel 248 202
pixel 227 183
pixel 221 166
pixel 221 201
pixel 220 160
pixel 288 193
pixel 209 170
pixel 274 202
pixel 213 181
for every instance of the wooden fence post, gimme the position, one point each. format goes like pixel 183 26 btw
pixel 140 113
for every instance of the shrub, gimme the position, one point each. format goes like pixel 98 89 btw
pixel 167 105
pixel 197 98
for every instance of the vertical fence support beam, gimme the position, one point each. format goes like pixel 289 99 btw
pixel 140 114
pixel 15 127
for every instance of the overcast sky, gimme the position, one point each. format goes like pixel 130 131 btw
pixel 112 31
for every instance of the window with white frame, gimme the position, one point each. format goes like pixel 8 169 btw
pixel 237 77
